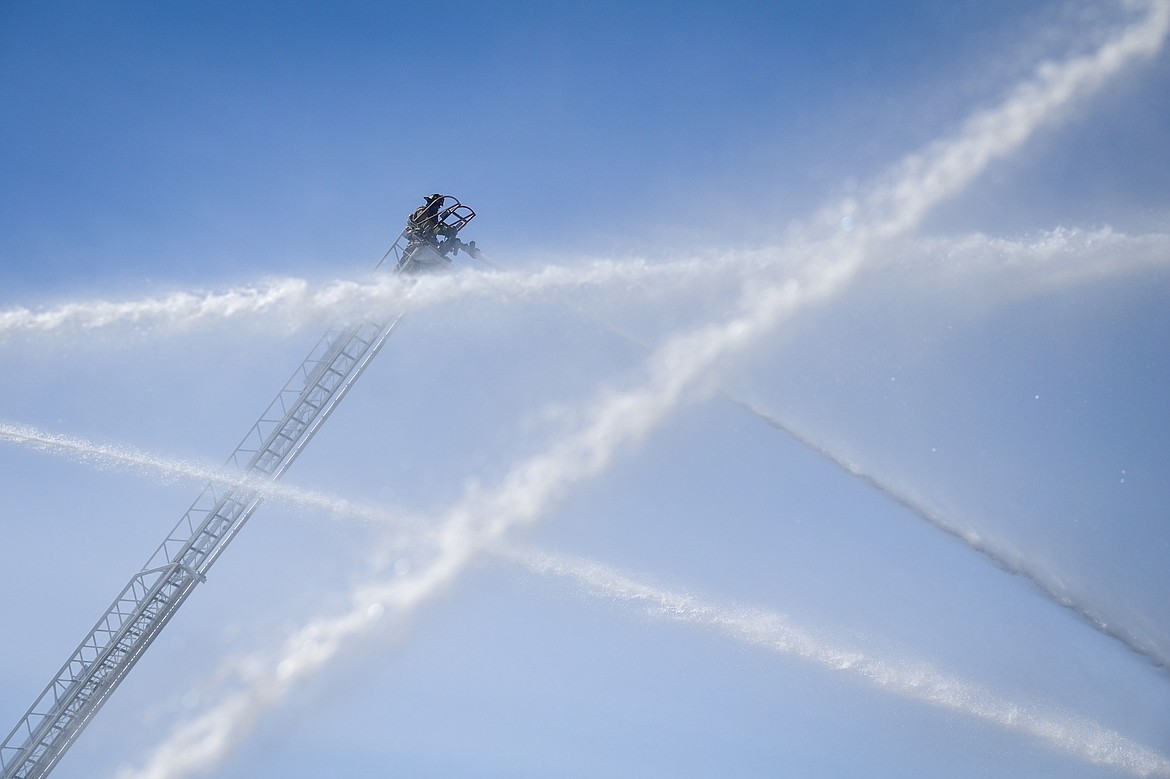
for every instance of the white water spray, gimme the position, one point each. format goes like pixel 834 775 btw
pixel 620 419
pixel 1006 558
pixel 774 632
pixel 292 302
pixel 1064 257
pixel 120 457
pixel 314 646
pixel 996 551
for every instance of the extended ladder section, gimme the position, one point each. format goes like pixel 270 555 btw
pixel 154 594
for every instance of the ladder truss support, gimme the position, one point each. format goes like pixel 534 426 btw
pixel 155 593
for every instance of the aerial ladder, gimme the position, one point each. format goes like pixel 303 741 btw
pixel 153 595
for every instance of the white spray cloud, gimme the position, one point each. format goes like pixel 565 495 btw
pixel 977 272
pixel 621 418
pixel 202 739
pixel 294 302
pixel 1072 734
pixel 998 551
pixel 922 180
pixel 170 469
pixel 1050 259
pixel 1054 258
pixel 176 309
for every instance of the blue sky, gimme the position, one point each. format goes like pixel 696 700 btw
pixel 1000 364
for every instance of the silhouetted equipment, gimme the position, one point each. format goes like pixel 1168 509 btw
pixel 431 239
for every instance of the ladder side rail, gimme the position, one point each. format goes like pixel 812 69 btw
pixel 86 652
pixel 305 388
pixel 83 672
pixel 196 518
pixel 56 707
pixel 116 634
pixel 215 505
pixel 318 398
pixel 396 249
pixel 282 438
pixel 358 368
pixel 42 757
pixel 202 542
pixel 75 689
pixel 153 595
pixel 182 590
pixel 104 673
pixel 81 690
pixel 335 369
pixel 254 440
